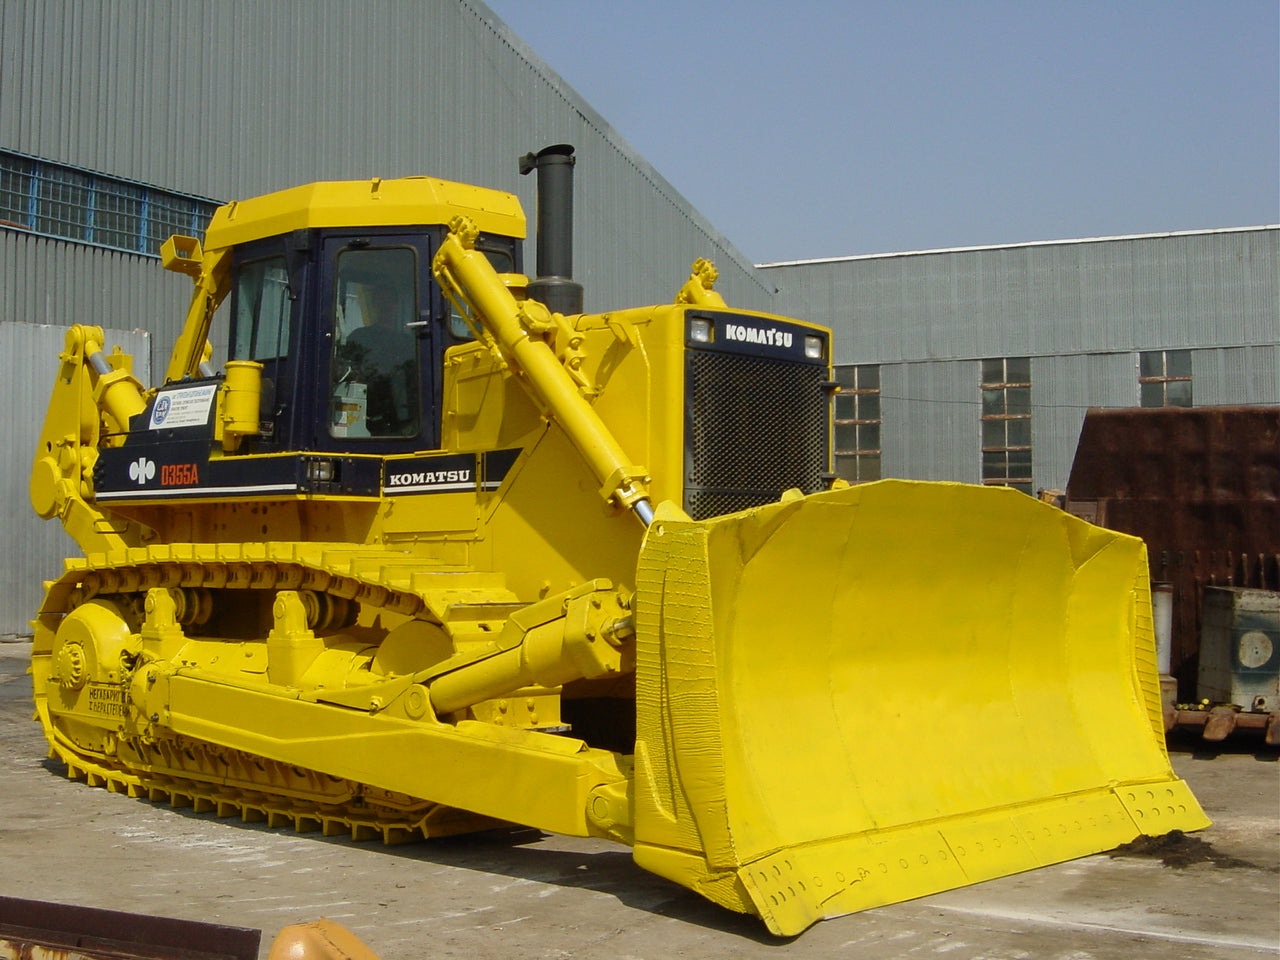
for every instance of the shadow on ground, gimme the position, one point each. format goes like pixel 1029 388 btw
pixel 512 852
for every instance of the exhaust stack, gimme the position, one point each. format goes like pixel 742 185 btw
pixel 554 285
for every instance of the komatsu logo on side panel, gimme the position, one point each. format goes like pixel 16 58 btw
pixel 772 337
pixel 142 470
pixel 428 478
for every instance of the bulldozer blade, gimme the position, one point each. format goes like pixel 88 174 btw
pixel 872 694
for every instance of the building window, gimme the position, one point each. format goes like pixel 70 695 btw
pixel 1164 378
pixel 56 200
pixel 1006 423
pixel 858 423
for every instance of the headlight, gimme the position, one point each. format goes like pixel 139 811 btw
pixel 813 348
pixel 700 331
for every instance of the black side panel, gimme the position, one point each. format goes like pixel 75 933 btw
pixel 152 470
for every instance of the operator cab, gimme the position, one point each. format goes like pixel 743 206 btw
pixel 336 336
pixel 351 330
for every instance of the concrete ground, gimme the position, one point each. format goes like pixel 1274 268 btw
pixel 521 894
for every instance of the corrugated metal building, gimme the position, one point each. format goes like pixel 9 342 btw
pixel 242 97
pixel 124 120
pixel 119 107
pixel 1181 319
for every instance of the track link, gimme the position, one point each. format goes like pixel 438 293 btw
pixel 354 817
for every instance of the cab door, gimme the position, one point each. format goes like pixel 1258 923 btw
pixel 375 377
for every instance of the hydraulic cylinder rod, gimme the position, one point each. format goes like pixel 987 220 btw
pixel 470 280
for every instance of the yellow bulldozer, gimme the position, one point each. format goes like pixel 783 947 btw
pixel 433 551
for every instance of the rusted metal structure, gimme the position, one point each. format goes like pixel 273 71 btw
pixel 1202 487
pixel 39 930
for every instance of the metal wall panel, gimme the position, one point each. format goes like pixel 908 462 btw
pixel 35 548
pixel 1082 310
pixel 1233 375
pixel 930 421
pixel 1203 289
pixel 241 97
pixel 56 282
pixel 1063 388
pixel 931 411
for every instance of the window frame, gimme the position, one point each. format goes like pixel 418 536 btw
pixel 1152 384
pixel 423 400
pixel 1005 463
pixel 862 462
pixel 284 319
pixel 65 202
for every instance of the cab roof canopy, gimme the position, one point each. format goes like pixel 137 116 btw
pixel 409 201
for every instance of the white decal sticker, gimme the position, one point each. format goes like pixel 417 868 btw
pixel 142 470
pixel 772 337
pixel 184 407
pixel 432 479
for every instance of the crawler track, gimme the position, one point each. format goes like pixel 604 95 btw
pixel 163 767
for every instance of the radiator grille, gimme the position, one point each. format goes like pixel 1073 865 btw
pixel 755 427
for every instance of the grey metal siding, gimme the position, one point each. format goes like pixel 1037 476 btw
pixel 930 421
pixel 34 548
pixel 45 281
pixel 1062 390
pixel 241 97
pixel 1082 310
pixel 1206 289
pixel 931 410
pixel 1247 374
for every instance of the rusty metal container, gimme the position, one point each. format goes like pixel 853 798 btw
pixel 40 930
pixel 1202 487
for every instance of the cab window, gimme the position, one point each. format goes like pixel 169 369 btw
pixel 262 306
pixel 374 379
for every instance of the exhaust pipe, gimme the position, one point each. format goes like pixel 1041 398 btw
pixel 554 285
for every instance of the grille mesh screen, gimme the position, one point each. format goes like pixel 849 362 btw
pixel 755 428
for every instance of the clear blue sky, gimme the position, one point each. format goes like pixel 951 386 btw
pixel 807 129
